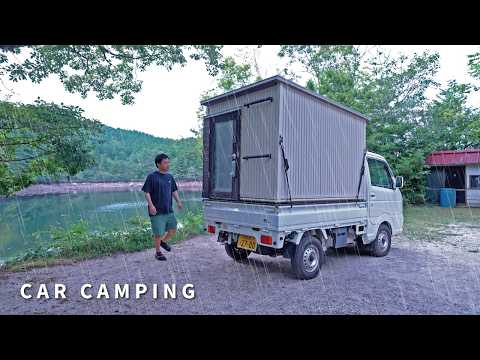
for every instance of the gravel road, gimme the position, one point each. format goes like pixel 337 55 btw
pixel 415 278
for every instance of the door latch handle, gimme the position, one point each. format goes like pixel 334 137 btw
pixel 373 196
pixel 233 170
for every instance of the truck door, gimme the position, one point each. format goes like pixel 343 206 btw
pixel 383 202
pixel 224 153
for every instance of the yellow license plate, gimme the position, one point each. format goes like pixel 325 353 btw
pixel 247 242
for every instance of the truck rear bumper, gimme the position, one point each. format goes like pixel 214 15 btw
pixel 279 221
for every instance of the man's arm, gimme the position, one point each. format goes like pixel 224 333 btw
pixel 147 189
pixel 177 199
pixel 151 208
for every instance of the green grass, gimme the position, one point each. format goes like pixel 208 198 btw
pixel 78 243
pixel 430 222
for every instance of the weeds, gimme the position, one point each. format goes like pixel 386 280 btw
pixel 78 243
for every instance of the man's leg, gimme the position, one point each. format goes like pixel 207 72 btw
pixel 158 229
pixel 158 241
pixel 169 235
pixel 171 228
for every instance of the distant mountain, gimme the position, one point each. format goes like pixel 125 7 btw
pixel 128 155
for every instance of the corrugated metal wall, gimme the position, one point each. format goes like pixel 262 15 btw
pixel 472 195
pixel 324 146
pixel 259 132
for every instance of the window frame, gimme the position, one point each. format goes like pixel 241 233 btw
pixel 234 116
pixel 388 170
pixel 470 181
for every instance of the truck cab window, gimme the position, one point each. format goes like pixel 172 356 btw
pixel 379 174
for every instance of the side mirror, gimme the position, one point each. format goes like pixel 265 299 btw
pixel 399 182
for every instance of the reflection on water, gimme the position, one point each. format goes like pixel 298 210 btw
pixel 119 206
pixel 25 221
pixel 135 204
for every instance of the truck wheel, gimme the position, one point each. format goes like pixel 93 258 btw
pixel 381 245
pixel 236 253
pixel 308 258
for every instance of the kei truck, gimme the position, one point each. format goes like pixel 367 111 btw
pixel 286 172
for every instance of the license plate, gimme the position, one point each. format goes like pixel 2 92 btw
pixel 247 242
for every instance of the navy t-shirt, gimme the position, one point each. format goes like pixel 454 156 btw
pixel 160 187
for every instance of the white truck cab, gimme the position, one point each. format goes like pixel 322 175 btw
pixel 385 202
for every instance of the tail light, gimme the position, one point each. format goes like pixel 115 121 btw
pixel 266 239
pixel 211 229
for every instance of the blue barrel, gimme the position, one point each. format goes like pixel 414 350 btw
pixel 448 198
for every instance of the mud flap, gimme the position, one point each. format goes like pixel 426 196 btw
pixel 289 250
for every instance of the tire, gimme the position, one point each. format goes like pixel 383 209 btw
pixel 308 258
pixel 236 253
pixel 382 243
pixel 362 248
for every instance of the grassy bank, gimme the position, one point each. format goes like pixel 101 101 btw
pixel 458 227
pixel 79 243
pixel 431 222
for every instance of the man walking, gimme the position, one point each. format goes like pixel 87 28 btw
pixel 159 188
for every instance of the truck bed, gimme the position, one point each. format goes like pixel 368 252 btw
pixel 283 218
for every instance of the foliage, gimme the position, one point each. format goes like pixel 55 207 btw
pixel 233 75
pixel 107 70
pixel 452 124
pixel 474 64
pixel 334 68
pixel 128 155
pixel 42 139
pixel 404 126
pixel 45 140
pixel 230 77
pixel 78 243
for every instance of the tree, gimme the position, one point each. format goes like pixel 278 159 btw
pixel 390 91
pixel 333 69
pixel 42 139
pixel 47 139
pixel 107 70
pixel 474 64
pixel 452 124
pixel 232 75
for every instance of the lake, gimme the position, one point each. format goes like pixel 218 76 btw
pixel 24 221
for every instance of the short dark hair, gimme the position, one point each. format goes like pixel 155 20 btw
pixel 160 157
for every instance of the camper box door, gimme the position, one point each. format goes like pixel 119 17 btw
pixel 222 155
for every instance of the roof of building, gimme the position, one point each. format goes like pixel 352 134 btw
pixel 454 157
pixel 272 81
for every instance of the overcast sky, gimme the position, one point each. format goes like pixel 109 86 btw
pixel 168 102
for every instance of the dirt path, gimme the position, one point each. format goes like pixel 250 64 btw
pixel 415 278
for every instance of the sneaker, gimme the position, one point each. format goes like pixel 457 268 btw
pixel 160 256
pixel 164 245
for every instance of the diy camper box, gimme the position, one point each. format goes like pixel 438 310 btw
pixel 286 172
pixel 277 142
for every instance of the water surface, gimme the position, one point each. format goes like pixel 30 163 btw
pixel 26 221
